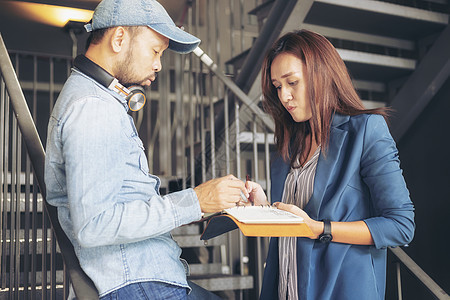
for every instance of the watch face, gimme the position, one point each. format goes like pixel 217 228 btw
pixel 325 238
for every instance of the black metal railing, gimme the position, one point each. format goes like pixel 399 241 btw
pixel 12 99
pixel 404 260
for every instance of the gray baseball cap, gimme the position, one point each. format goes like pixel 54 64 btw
pixel 113 13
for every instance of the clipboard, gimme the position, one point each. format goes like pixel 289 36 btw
pixel 221 223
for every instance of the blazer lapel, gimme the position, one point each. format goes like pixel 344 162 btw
pixel 279 171
pixel 326 166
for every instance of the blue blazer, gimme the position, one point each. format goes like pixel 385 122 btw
pixel 358 178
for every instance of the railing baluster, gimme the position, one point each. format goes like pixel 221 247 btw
pixel 34 224
pixel 267 165
pixel 12 211
pixel 12 144
pixel 417 271
pixel 191 108
pixel 399 280
pixel 179 117
pixel 26 251
pixel 163 117
pixel 4 184
pixel 53 252
pixel 242 22
pixel 227 131
pixel 238 174
pixel 51 84
pixel 53 279
pixel 228 170
pixel 66 282
pixel 17 186
pixel 10 191
pixel 232 51
pixel 258 259
pixel 202 130
pixel 44 257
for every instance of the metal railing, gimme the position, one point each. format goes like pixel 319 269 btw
pixel 17 124
pixel 414 269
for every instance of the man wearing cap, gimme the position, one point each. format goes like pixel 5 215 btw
pixel 96 171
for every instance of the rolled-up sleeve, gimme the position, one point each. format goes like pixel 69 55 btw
pixel 393 224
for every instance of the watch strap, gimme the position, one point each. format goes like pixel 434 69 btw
pixel 326 236
pixel 327 227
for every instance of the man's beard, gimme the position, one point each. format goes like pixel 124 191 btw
pixel 125 74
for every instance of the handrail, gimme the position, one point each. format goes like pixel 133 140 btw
pixel 420 274
pixel 269 33
pixel 234 88
pixel 279 14
pixel 82 284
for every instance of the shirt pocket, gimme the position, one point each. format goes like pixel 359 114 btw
pixel 139 151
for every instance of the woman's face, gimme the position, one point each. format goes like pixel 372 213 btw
pixel 289 78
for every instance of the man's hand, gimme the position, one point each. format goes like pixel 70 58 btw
pixel 220 193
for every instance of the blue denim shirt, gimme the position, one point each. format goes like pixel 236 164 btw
pixel 96 173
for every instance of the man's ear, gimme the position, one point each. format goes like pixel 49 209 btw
pixel 118 38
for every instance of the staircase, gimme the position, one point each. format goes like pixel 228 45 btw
pixel 381 42
pixel 208 262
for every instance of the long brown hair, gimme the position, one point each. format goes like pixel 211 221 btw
pixel 330 91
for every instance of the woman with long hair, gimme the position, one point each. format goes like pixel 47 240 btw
pixel 337 166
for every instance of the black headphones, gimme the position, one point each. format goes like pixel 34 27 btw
pixel 135 94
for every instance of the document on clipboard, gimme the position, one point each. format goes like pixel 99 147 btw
pixel 263 215
pixel 263 221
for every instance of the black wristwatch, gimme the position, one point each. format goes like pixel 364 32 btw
pixel 326 236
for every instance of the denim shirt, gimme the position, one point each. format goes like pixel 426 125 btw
pixel 96 174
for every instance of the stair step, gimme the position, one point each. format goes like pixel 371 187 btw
pixel 223 282
pixel 39 243
pixel 262 11
pixel 22 233
pixel 23 202
pixel 7 294
pixel 234 64
pixel 38 250
pixel 202 269
pixel 393 20
pixel 247 137
pixel 59 279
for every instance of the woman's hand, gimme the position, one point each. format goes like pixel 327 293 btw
pixel 256 193
pixel 355 232
pixel 315 226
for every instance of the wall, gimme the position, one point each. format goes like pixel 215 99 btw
pixel 425 159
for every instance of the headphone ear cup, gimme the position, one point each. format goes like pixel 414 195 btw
pixel 136 99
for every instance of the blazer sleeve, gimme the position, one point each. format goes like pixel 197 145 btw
pixel 393 221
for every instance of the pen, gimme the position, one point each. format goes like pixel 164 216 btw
pixel 244 199
pixel 247 178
